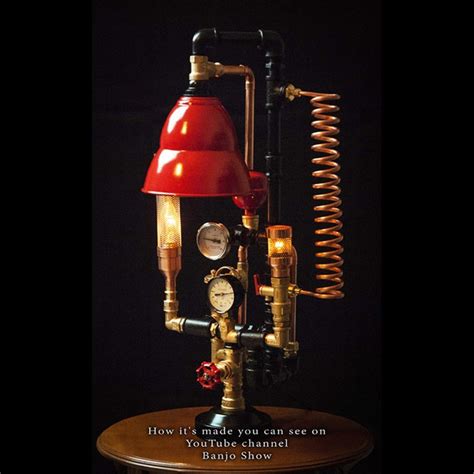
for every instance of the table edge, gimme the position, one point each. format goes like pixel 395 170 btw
pixel 157 465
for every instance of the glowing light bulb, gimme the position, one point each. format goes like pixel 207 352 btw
pixel 279 244
pixel 168 218
pixel 279 241
pixel 170 221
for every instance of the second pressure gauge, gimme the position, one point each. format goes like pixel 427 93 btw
pixel 213 240
pixel 225 293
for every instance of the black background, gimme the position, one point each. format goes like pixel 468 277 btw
pixel 140 68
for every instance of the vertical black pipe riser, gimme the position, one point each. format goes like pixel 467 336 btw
pixel 273 157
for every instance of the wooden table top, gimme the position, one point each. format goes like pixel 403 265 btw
pixel 129 443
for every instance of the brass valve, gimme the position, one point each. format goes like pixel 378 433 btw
pixel 208 375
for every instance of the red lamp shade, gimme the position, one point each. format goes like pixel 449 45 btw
pixel 198 154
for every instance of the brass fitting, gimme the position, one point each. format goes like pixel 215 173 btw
pixel 279 250
pixel 199 68
pixel 250 222
pixel 170 304
pixel 169 263
pixel 265 290
pixel 291 349
pixel 243 266
pixel 220 354
pixel 226 324
pixel 175 324
pixel 229 361
pixel 280 267
pixel 213 328
pixel 216 345
pixel 292 92
pixel 281 301
pixel 281 308
pixel 277 232
pixel 280 259
pixel 202 69
pixel 293 291
pixel 225 369
pixel 279 338
pixel 217 69
pixel 231 375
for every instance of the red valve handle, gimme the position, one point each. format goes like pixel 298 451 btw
pixel 257 284
pixel 208 375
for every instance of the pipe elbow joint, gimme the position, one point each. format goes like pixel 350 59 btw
pixel 202 39
pixel 272 43
pixel 175 324
pixel 279 338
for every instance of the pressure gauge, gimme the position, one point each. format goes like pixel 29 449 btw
pixel 213 240
pixel 225 293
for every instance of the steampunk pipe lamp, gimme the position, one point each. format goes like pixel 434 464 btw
pixel 199 157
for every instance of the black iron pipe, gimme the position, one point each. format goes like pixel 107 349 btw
pixel 250 337
pixel 269 41
pixel 273 157
pixel 198 327
pixel 202 39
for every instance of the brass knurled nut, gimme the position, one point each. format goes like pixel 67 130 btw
pixel 169 259
pixel 280 267
pixel 250 222
pixel 279 232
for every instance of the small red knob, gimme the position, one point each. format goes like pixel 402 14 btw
pixel 208 375
pixel 257 284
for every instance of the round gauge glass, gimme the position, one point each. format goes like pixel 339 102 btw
pixel 221 295
pixel 213 240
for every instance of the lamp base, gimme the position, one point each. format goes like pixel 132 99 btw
pixel 219 425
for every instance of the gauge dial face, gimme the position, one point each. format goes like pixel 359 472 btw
pixel 221 295
pixel 213 240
